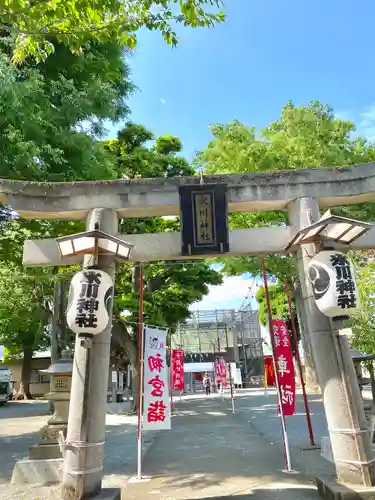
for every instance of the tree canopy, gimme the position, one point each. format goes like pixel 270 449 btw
pixel 51 114
pixel 22 316
pixel 278 302
pixel 53 107
pixel 303 137
pixel 169 287
pixel 135 157
pixel 75 24
pixel 363 322
pixel 42 110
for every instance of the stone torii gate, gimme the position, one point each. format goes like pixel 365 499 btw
pixel 300 193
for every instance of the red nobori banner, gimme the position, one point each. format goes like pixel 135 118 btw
pixel 285 366
pixel 217 370
pixel 178 358
pixel 221 371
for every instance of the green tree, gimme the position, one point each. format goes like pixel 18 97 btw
pixel 168 144
pixel 278 302
pixel 303 137
pixel 169 287
pixel 42 107
pixel 22 318
pixel 139 154
pixel 24 315
pixel 363 323
pixel 76 24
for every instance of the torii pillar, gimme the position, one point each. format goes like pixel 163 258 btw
pixel 347 425
pixel 83 451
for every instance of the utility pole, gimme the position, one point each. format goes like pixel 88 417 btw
pixel 84 448
pixel 351 446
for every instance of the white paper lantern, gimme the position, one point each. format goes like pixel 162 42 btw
pixel 90 298
pixel 333 281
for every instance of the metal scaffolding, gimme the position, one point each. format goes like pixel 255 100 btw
pixel 208 333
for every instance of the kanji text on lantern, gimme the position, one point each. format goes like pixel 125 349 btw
pixel 87 304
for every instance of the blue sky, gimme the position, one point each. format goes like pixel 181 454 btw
pixel 265 54
pixel 235 293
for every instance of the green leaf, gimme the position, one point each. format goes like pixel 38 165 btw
pixel 303 137
pixel 74 23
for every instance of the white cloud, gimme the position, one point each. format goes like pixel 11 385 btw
pixel 366 125
pixel 342 115
pixel 231 294
pixel 163 101
pixel 364 120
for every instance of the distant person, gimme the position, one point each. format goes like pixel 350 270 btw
pixel 207 384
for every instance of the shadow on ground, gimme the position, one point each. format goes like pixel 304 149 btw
pixel 266 494
pixel 211 453
pixel 20 424
pixel 12 449
pixel 22 409
pixel 261 412
pixel 120 451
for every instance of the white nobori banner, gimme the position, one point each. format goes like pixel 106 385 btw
pixel 157 409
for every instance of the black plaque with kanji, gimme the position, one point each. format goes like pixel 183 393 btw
pixel 204 219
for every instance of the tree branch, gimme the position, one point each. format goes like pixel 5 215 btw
pixel 155 283
pixel 121 335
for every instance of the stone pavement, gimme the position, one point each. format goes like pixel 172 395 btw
pixel 19 428
pixel 261 412
pixel 211 453
pixel 208 453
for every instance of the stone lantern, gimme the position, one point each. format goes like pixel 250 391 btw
pixel 358 357
pixel 59 394
pixel 369 405
pixel 45 462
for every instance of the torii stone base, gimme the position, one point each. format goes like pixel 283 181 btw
pixel 332 490
pixel 43 472
pixel 45 463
